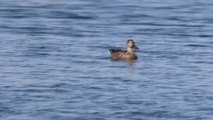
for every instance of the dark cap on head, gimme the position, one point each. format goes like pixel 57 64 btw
pixel 133 43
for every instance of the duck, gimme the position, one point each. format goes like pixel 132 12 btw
pixel 128 54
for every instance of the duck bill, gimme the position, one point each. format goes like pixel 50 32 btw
pixel 135 47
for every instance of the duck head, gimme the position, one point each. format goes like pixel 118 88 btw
pixel 131 45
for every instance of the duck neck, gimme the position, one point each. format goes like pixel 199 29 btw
pixel 129 50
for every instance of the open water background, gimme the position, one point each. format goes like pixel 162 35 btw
pixel 54 61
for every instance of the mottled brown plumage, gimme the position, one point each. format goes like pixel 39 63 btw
pixel 128 54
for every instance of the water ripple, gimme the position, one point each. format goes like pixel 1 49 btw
pixel 55 63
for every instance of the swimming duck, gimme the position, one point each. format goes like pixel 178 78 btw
pixel 128 54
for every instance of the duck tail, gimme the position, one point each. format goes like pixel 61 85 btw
pixel 110 51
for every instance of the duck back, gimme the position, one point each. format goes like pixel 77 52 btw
pixel 118 54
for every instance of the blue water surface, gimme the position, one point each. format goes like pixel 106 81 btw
pixel 54 60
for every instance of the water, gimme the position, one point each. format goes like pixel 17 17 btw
pixel 55 64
